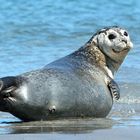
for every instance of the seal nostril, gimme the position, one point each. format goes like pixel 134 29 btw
pixel 123 40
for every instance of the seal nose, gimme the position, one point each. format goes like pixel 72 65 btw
pixel 124 40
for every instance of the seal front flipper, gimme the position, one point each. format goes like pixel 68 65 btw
pixel 114 89
pixel 7 85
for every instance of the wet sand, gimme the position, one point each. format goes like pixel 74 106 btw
pixel 73 129
pixel 131 133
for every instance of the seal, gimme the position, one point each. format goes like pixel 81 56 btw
pixel 78 85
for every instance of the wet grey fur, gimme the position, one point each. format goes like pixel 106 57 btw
pixel 73 86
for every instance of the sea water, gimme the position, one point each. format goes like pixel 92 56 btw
pixel 34 33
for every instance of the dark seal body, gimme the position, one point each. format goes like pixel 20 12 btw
pixel 73 86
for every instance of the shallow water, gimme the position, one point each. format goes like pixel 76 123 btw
pixel 34 33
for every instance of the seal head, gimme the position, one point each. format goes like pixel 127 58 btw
pixel 113 44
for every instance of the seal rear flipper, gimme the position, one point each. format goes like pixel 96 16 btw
pixel 7 85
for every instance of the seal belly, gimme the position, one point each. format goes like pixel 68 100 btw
pixel 74 96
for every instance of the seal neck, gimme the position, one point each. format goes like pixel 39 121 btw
pixel 95 56
pixel 113 65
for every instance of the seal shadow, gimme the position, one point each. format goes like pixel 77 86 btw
pixel 64 126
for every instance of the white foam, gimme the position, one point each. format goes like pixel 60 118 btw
pixel 129 100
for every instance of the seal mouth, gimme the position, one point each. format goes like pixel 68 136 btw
pixel 117 51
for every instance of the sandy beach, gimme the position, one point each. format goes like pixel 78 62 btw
pixel 131 133
pixel 73 129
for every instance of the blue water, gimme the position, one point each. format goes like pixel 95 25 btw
pixel 34 33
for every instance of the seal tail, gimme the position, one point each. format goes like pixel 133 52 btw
pixel 8 84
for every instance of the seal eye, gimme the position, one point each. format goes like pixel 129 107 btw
pixel 111 36
pixel 125 33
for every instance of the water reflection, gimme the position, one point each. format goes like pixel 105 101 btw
pixel 70 126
